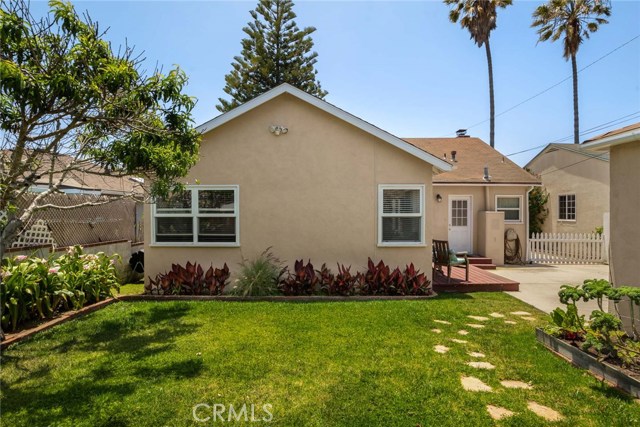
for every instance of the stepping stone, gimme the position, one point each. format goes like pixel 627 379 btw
pixel 444 322
pixel 474 384
pixel 475 325
pixel 479 318
pixel 459 341
pixel 475 354
pixel 516 384
pixel 436 331
pixel 544 412
pixel 496 315
pixel 510 322
pixel 463 332
pixel 440 349
pixel 480 365
pixel 498 413
pixel 533 319
pixel 521 313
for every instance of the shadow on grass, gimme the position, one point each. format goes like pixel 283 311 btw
pixel 610 392
pixel 140 333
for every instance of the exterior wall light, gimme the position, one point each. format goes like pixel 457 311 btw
pixel 438 198
pixel 278 130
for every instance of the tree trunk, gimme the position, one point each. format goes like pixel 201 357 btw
pixel 492 109
pixel 576 116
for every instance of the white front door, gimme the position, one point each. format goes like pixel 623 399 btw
pixel 460 223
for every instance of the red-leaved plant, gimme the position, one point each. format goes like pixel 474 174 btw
pixel 189 280
pixel 302 282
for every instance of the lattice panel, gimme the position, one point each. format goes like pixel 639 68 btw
pixel 38 234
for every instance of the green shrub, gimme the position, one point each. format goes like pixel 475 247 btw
pixel 37 288
pixel 260 276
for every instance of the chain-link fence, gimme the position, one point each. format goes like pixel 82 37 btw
pixel 117 220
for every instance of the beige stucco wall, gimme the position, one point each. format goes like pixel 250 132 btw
pixel 311 193
pixel 482 199
pixel 561 173
pixel 625 216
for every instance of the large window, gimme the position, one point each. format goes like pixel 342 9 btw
pixel 511 206
pixel 401 215
pixel 567 207
pixel 201 215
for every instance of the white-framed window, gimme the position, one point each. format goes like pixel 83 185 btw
pixel 401 215
pixel 567 207
pixel 202 215
pixel 511 206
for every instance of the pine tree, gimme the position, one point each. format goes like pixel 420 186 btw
pixel 275 52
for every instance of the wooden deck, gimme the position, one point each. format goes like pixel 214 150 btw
pixel 479 281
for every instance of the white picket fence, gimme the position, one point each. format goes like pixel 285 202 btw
pixel 567 248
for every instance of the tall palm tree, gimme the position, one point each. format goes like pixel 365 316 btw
pixel 479 17
pixel 573 20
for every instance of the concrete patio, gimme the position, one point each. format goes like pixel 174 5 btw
pixel 540 283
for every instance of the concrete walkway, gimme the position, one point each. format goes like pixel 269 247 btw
pixel 540 283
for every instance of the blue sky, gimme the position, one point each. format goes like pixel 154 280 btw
pixel 403 66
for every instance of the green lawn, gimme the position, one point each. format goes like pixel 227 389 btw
pixel 131 289
pixel 320 364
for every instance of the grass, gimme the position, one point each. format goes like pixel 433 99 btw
pixel 317 364
pixel 131 289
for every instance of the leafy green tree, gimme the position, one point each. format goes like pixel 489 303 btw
pixel 538 211
pixel 276 51
pixel 479 18
pixel 69 104
pixel 573 21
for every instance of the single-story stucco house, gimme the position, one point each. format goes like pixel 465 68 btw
pixel 484 195
pixel 290 171
pixel 623 146
pixel 577 181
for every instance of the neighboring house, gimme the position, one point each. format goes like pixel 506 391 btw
pixel 292 172
pixel 482 181
pixel 623 146
pixel 578 184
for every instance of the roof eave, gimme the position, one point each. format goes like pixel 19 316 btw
pixel 606 143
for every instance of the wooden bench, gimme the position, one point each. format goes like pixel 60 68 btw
pixel 443 256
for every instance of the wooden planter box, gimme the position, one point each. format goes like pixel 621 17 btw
pixel 601 370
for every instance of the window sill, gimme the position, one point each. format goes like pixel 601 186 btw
pixel 514 222
pixel 402 245
pixel 194 245
pixel 567 220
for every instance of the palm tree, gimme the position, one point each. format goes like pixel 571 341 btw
pixel 574 20
pixel 479 17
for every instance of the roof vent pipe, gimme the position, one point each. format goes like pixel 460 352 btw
pixel 453 156
pixel 486 176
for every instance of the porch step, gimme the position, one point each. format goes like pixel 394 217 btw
pixel 486 266
pixel 482 262
pixel 479 260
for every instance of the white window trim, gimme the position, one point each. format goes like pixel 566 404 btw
pixel 381 214
pixel 521 220
pixel 194 215
pixel 575 207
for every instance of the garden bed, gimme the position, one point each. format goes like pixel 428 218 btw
pixel 617 376
pixel 274 298
pixel 32 328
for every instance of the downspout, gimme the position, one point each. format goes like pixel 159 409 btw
pixel 526 224
pixel 487 207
